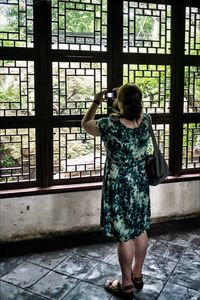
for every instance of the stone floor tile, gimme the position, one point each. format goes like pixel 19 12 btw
pixel 11 292
pixel 9 263
pixel 186 275
pixel 96 251
pixel 80 273
pixel 112 258
pixel 54 286
pixel 190 258
pixel 159 248
pixel 151 242
pixel 195 231
pixel 166 249
pixel 193 295
pixel 177 292
pixel 197 251
pixel 87 291
pixel 25 274
pixel 76 266
pixel 102 272
pixel 158 267
pixel 114 261
pixel 178 238
pixel 152 288
pixel 49 259
pixel 174 252
pixel 195 245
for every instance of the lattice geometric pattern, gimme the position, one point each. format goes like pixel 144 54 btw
pixel 18 155
pixel 192 31
pixel 192 89
pixel 155 83
pixel 16 23
pixel 191 146
pixel 17 95
pixel 76 154
pixel 79 25
pixel 74 86
pixel 146 28
pixel 162 133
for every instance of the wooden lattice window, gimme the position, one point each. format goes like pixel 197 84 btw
pixel 55 55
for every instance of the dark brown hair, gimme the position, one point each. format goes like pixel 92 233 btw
pixel 130 97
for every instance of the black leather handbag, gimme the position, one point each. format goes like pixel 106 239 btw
pixel 156 166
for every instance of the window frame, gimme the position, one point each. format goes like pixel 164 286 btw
pixel 44 121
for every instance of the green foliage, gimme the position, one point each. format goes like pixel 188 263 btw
pixel 81 88
pixel 148 85
pixel 191 139
pixel 14 21
pixel 8 161
pixel 9 94
pixel 192 87
pixel 79 21
pixel 9 18
pixel 76 21
pixel 197 88
pixel 147 27
pixel 78 148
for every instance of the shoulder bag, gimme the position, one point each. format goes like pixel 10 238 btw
pixel 156 166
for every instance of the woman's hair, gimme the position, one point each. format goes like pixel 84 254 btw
pixel 130 97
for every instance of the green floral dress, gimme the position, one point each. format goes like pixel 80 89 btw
pixel 125 211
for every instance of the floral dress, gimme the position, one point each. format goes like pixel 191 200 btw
pixel 125 211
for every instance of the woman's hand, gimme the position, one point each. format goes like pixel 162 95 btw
pixel 116 89
pixel 100 96
pixel 88 123
pixel 116 102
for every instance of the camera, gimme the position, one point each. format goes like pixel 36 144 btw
pixel 110 94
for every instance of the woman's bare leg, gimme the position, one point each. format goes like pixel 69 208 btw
pixel 129 251
pixel 125 256
pixel 140 245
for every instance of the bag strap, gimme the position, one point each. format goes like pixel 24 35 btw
pixel 155 145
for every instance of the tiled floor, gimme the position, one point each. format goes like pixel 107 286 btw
pixel 171 271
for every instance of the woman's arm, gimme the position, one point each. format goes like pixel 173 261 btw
pixel 88 123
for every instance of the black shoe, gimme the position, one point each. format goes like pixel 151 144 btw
pixel 138 282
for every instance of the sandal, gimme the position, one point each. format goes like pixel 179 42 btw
pixel 138 282
pixel 119 290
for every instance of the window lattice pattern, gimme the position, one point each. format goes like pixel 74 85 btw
pixel 76 154
pixel 79 25
pixel 155 83
pixel 18 155
pixel 146 28
pixel 16 23
pixel 191 146
pixel 162 133
pixel 192 31
pixel 17 88
pixel 192 89
pixel 74 86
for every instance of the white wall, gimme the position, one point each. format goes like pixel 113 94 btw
pixel 34 216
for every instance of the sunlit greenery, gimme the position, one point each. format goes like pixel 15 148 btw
pixel 81 22
pixel 16 23
pixel 147 27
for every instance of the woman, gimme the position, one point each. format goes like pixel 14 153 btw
pixel 125 214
